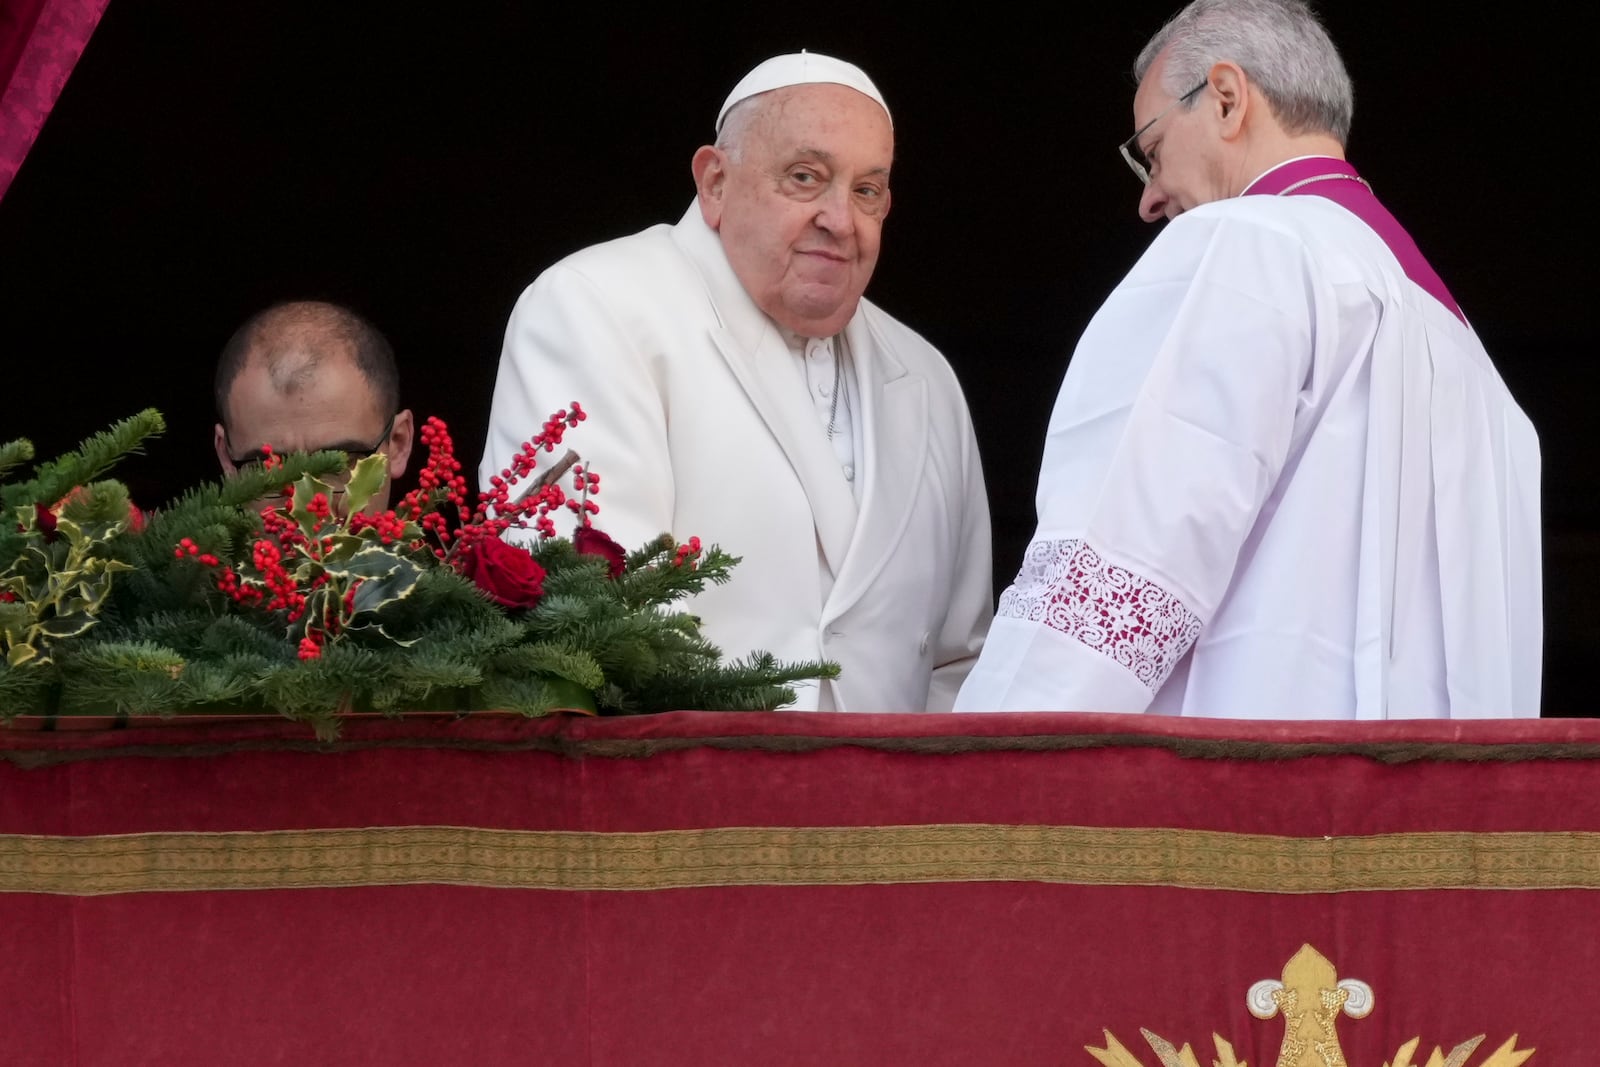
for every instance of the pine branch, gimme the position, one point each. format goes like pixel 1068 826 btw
pixel 551 660
pixel 28 690
pixel 757 683
pixel 130 678
pixel 652 576
pixel 92 458
pixel 14 454
pixel 529 696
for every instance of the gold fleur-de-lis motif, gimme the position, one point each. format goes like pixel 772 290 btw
pixel 1310 996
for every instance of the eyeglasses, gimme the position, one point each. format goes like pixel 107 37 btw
pixel 353 450
pixel 1137 161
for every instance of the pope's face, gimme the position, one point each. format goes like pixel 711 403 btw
pixel 801 209
pixel 1181 146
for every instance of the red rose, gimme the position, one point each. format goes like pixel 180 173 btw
pixel 591 542
pixel 507 573
pixel 45 520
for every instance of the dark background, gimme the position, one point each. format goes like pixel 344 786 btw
pixel 424 163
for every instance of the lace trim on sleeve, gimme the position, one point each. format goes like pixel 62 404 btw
pixel 1067 586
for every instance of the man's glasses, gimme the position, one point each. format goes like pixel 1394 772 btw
pixel 1136 159
pixel 352 449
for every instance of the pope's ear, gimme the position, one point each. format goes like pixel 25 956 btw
pixel 710 166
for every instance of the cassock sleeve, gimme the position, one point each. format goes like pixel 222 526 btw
pixel 1172 425
pixel 566 341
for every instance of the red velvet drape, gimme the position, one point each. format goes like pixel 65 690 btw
pixel 791 889
pixel 40 42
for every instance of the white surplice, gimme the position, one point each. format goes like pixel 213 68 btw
pixel 1281 480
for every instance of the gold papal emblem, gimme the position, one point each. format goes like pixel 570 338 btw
pixel 1309 997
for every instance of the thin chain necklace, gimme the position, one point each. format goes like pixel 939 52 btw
pixel 833 409
pixel 1324 178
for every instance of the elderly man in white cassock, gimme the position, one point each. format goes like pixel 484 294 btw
pixel 1282 478
pixel 741 390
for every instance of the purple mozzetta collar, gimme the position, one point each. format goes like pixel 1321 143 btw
pixel 1336 180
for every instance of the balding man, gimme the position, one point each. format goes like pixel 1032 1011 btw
pixel 307 376
pixel 742 390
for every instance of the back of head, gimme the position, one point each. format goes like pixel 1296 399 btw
pixel 293 339
pixel 1280 44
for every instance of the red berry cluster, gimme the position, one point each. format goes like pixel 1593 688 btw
pixel 187 547
pixel 440 483
pixel 281 525
pixel 391 527
pixel 227 580
pixel 499 510
pixel 584 483
pixel 688 553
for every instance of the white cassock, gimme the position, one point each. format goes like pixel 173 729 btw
pixel 1281 480
pixel 870 548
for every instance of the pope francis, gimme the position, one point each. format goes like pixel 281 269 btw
pixel 742 390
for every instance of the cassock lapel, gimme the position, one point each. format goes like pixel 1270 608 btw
pixel 759 358
pixel 894 413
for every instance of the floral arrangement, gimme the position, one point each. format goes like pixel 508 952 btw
pixel 311 606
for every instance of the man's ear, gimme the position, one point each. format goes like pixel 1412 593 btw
pixel 710 167
pixel 1230 87
pixel 219 439
pixel 401 438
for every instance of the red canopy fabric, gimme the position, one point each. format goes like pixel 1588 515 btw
pixel 792 889
pixel 40 42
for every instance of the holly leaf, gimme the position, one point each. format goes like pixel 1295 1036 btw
pixel 64 626
pixel 366 478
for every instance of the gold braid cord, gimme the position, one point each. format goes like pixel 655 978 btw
pixel 1310 997
pixel 818 855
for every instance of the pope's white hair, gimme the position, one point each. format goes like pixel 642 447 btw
pixel 1280 44
pixel 737 123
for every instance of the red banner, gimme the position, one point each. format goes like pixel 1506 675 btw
pixel 40 42
pixel 803 889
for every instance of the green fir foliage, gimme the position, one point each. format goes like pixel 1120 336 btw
pixel 108 610
pixel 92 458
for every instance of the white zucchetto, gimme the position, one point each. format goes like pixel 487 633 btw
pixel 801 68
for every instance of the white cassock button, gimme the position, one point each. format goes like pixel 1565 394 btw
pixel 849 472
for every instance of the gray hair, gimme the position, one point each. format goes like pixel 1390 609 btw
pixel 737 122
pixel 1280 44
pixel 744 117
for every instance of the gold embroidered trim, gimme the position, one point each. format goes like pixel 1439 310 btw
pixel 733 856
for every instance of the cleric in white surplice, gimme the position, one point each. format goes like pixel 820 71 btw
pixel 1282 478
